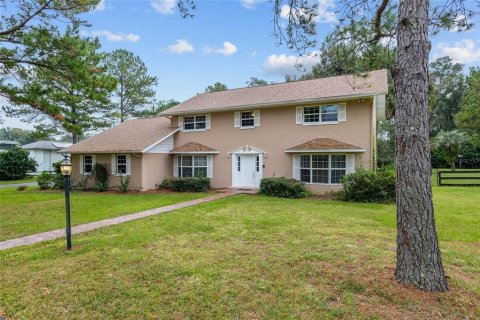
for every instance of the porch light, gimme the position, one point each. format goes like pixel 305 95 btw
pixel 66 166
pixel 66 169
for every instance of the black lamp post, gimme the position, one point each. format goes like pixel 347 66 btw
pixel 66 169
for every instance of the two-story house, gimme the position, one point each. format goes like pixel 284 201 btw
pixel 315 131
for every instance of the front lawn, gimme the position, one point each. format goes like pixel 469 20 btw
pixel 33 211
pixel 27 180
pixel 247 257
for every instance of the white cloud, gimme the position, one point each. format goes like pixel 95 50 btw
pixel 164 6
pixel 100 6
pixel 282 65
pixel 324 14
pixel 250 4
pixel 227 50
pixel 461 52
pixel 181 46
pixel 116 37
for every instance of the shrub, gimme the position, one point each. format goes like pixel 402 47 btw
pixel 80 184
pixel 124 184
pixel 15 163
pixel 195 184
pixel 369 186
pixel 47 180
pixel 283 188
pixel 100 176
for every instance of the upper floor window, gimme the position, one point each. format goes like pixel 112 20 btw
pixel 247 119
pixel 328 113
pixel 194 123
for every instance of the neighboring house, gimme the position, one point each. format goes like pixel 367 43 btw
pixel 8 144
pixel 315 131
pixel 46 153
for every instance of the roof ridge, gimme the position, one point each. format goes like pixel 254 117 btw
pixel 285 82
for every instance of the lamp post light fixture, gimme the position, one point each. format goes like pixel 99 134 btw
pixel 66 169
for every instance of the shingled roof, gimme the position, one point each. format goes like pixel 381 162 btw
pixel 193 147
pixel 325 145
pixel 375 83
pixel 134 135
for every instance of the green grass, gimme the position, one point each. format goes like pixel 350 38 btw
pixel 33 211
pixel 247 257
pixel 27 180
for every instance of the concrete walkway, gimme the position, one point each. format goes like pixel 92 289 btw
pixel 28 184
pixel 60 233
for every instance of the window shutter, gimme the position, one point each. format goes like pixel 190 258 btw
pixel 114 165
pixel 81 164
pixel 342 111
pixel 94 160
pixel 175 166
pixel 180 122
pixel 236 121
pixel 350 163
pixel 296 166
pixel 207 121
pixel 129 171
pixel 209 167
pixel 256 118
pixel 299 113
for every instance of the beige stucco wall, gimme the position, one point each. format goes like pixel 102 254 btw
pixel 156 167
pixel 277 132
pixel 105 159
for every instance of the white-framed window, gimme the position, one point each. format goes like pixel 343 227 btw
pixel 121 164
pixel 194 122
pixel 86 164
pixel 322 114
pixel 322 168
pixel 193 166
pixel 247 119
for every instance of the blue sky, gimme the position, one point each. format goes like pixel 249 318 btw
pixel 227 41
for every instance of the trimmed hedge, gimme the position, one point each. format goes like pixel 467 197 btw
pixel 194 184
pixel 283 188
pixel 369 186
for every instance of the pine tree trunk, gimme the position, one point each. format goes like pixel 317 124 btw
pixel 74 137
pixel 419 262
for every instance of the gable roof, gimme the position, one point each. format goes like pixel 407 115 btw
pixel 325 145
pixel 134 135
pixel 47 145
pixel 345 86
pixel 193 147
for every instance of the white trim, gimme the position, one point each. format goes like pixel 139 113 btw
pixel 159 141
pixel 247 150
pixel 194 152
pixel 319 123
pixel 324 151
pixel 278 104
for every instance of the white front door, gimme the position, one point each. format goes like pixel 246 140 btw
pixel 247 170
